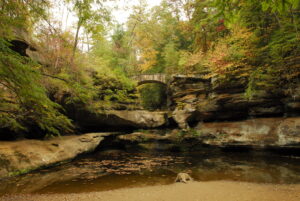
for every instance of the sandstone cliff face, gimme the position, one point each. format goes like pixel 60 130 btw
pixel 255 133
pixel 259 133
pixel 23 156
pixel 208 100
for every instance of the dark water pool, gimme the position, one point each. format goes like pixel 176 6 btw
pixel 109 170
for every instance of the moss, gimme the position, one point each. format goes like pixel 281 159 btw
pixel 142 131
pixel 144 138
pixel 188 133
pixel 222 135
pixel 19 172
pixel 195 132
pixel 26 170
pixel 180 105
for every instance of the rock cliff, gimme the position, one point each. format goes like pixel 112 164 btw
pixel 23 156
pixel 197 99
pixel 259 133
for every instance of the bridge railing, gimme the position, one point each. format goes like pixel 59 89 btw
pixel 159 77
pixel 162 78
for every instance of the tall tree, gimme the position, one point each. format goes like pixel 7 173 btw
pixel 91 16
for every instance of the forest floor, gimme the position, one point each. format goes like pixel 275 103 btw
pixel 194 191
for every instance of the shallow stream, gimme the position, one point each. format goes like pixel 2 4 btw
pixel 114 169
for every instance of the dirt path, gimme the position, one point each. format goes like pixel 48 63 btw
pixel 195 191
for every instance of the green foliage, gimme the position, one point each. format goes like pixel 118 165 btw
pixel 109 82
pixel 153 96
pixel 91 15
pixel 189 133
pixel 158 36
pixel 19 15
pixel 250 41
pixel 171 58
pixel 113 89
pixel 24 100
pixel 32 95
pixel 259 45
pixel 143 131
pixel 276 50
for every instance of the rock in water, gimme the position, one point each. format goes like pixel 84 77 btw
pixel 183 177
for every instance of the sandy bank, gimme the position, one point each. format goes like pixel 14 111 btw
pixel 195 191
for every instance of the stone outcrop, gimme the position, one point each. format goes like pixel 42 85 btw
pixel 211 100
pixel 23 156
pixel 33 182
pixel 142 118
pixel 260 133
pixel 182 115
pixel 25 46
pixel 22 42
pixel 121 119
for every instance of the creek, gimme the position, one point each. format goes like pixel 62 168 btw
pixel 115 169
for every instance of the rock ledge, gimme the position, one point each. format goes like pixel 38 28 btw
pixel 23 156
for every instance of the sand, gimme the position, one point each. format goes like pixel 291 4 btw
pixel 194 191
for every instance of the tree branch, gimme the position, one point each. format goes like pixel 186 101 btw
pixel 55 77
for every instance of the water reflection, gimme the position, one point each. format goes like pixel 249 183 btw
pixel 117 169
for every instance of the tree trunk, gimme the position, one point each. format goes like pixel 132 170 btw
pixel 88 42
pixel 76 41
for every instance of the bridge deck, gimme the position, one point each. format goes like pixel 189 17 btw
pixel 150 78
pixel 163 78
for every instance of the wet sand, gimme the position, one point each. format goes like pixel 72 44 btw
pixel 194 191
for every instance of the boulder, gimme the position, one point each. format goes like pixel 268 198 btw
pixel 288 132
pixel 23 156
pixel 120 119
pixel 142 118
pixel 183 115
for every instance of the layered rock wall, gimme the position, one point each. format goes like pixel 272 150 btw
pixel 260 133
pixel 197 99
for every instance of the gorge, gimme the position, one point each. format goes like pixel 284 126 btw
pixel 110 100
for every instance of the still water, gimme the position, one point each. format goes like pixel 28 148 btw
pixel 108 170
